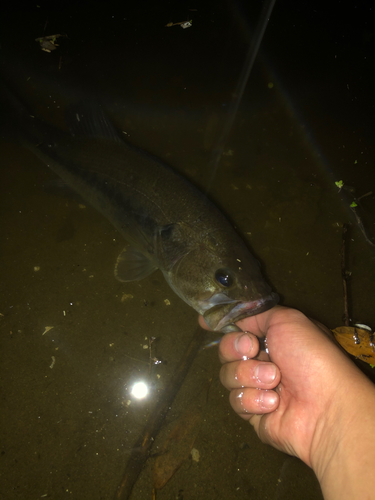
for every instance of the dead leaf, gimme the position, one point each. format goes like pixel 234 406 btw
pixel 357 342
pixel 180 440
pixel 177 447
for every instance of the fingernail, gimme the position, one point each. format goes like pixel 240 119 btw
pixel 243 344
pixel 268 399
pixel 265 372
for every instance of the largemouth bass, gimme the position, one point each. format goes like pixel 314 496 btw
pixel 169 224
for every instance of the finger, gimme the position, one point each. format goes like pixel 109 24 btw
pixel 238 345
pixel 259 323
pixel 246 402
pixel 249 373
pixel 262 427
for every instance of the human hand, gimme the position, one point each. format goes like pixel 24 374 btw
pixel 312 377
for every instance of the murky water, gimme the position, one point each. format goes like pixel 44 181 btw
pixel 67 421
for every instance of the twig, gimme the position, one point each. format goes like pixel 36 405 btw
pixel 141 449
pixel 175 24
pixel 362 227
pixel 344 274
pixel 364 195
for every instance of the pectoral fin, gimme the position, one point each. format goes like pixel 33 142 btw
pixel 132 265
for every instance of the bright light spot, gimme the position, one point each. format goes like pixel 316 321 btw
pixel 139 390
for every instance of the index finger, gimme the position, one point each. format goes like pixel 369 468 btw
pixel 238 345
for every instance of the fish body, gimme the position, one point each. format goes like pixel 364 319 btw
pixel 169 224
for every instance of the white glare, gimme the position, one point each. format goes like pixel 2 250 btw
pixel 139 390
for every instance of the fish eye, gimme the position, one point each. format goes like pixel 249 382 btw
pixel 224 277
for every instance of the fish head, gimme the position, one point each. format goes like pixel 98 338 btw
pixel 223 282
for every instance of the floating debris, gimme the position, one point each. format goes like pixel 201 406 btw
pixel 48 43
pixel 47 329
pixel 126 296
pixel 183 24
pixel 230 152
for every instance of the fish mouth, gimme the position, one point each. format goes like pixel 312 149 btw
pixel 245 309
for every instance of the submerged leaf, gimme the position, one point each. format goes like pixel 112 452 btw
pixel 180 441
pixel 177 447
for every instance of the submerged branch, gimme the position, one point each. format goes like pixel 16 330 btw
pixel 141 449
pixel 361 226
pixel 344 274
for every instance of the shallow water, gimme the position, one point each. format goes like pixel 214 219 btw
pixel 66 426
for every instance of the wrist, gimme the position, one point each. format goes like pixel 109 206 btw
pixel 343 447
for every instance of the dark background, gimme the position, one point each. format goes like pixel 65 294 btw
pixel 69 430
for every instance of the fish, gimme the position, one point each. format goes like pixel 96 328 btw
pixel 168 223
